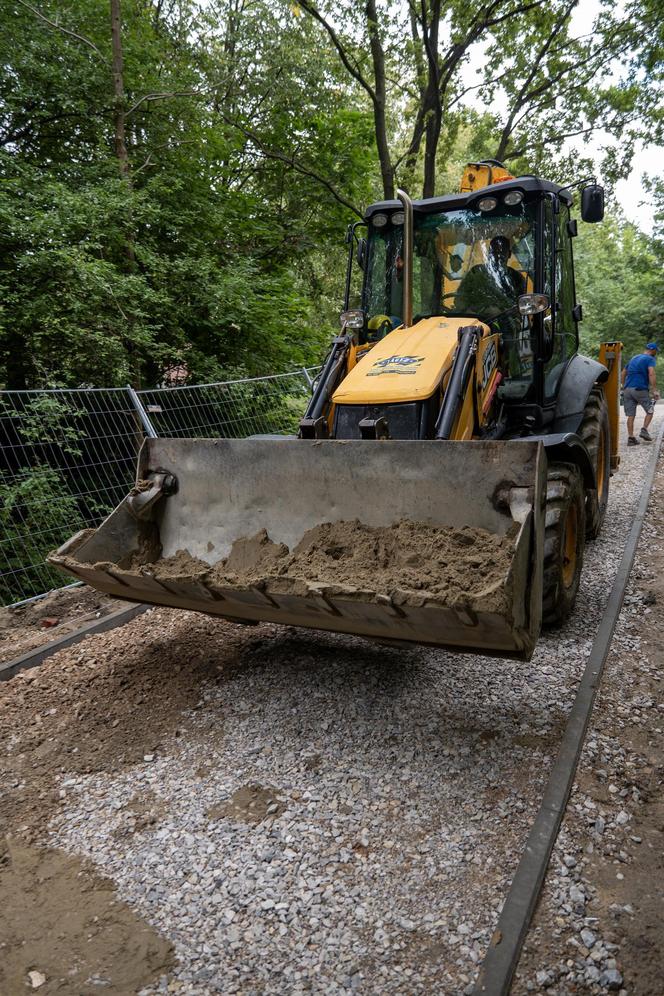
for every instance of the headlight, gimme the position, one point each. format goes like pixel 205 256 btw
pixel 397 218
pixel 533 304
pixel 353 319
pixel 513 197
pixel 379 220
pixel 487 204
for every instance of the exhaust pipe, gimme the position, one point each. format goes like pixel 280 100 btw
pixel 407 257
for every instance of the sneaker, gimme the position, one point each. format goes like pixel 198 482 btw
pixel 632 441
pixel 644 434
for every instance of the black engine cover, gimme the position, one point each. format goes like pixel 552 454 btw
pixel 404 420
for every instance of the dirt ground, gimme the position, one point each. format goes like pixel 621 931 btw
pixel 104 706
pixel 623 864
pixel 29 626
pixel 67 933
pixel 93 707
pixel 101 705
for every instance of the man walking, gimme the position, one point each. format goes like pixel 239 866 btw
pixel 638 381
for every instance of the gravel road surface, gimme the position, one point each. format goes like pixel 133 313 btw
pixel 610 929
pixel 302 812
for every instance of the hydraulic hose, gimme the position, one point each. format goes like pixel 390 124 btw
pixel 458 382
pixel 328 378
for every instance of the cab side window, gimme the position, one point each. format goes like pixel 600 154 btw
pixel 564 330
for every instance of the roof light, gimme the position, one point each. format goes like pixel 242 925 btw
pixel 487 204
pixel 379 220
pixel 397 218
pixel 513 197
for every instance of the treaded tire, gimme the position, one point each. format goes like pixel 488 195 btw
pixel 596 434
pixel 565 525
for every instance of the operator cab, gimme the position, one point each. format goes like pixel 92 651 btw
pixel 474 255
pixel 483 279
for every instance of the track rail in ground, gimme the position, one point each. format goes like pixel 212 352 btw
pixel 502 957
pixel 39 654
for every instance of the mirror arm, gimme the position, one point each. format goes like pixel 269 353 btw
pixel 578 183
pixel 351 239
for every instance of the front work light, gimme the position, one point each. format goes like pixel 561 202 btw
pixel 353 319
pixel 487 204
pixel 533 304
pixel 513 197
pixel 398 218
pixel 379 220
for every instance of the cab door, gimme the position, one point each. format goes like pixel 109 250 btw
pixel 561 337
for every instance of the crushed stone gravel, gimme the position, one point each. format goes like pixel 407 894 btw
pixel 600 923
pixel 304 812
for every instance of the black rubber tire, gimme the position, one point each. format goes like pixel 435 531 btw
pixel 596 434
pixel 565 498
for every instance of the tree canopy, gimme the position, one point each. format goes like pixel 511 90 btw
pixel 177 177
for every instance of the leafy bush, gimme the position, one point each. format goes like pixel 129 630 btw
pixel 37 514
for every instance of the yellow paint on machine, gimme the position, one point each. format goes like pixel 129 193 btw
pixel 407 365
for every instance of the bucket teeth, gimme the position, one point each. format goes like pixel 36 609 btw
pixel 276 500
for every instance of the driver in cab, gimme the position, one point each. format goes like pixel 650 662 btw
pixel 492 287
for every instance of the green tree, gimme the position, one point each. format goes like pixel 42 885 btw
pixel 174 190
pixel 620 282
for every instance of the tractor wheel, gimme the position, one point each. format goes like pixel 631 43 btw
pixel 564 541
pixel 596 434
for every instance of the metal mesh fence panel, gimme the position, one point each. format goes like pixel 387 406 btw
pixel 231 410
pixel 68 457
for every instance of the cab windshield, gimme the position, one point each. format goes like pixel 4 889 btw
pixel 465 263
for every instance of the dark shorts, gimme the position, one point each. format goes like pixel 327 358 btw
pixel 633 397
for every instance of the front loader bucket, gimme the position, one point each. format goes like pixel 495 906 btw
pixel 484 500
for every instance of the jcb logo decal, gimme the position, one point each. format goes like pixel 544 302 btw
pixel 489 361
pixel 396 364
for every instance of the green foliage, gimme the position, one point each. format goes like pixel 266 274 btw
pixel 36 514
pixel 38 510
pixel 620 281
pixel 251 143
pixel 220 248
pixel 46 421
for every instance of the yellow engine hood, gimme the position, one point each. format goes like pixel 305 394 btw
pixel 406 365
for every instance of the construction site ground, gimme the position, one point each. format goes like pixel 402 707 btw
pixel 31 625
pixel 198 807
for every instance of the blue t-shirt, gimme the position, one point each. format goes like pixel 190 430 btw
pixel 637 371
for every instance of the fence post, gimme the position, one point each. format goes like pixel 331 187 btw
pixel 308 378
pixel 148 427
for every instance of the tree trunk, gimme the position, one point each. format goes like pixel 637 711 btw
pixel 119 108
pixel 434 123
pixel 380 127
pixel 433 102
pixel 18 365
pixel 119 122
pixel 428 121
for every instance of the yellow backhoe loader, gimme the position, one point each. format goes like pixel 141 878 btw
pixel 454 456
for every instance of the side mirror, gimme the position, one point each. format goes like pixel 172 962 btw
pixel 533 304
pixel 592 203
pixel 361 253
